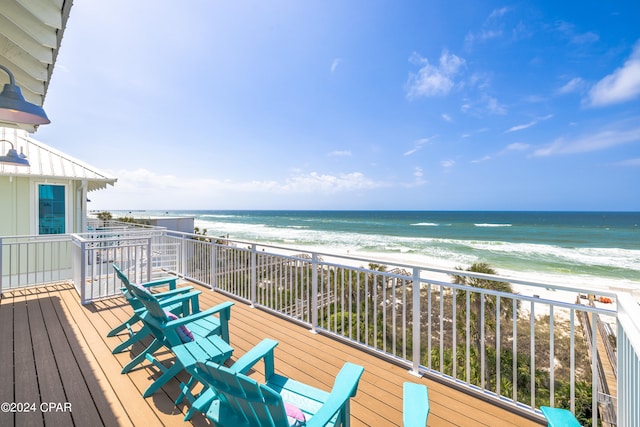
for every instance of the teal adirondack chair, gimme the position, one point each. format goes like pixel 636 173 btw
pixel 558 417
pixel 135 336
pixel 190 353
pixel 211 331
pixel 279 402
pixel 415 402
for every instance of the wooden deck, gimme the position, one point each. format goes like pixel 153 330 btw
pixel 56 351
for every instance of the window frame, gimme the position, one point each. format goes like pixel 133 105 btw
pixel 36 206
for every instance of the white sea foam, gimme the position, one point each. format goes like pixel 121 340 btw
pixel 606 257
pixel 426 224
pixel 492 225
pixel 534 262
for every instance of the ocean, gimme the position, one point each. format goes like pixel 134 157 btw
pixel 595 248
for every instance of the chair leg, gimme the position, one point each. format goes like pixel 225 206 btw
pixel 121 327
pixel 153 347
pixel 186 391
pixel 137 336
pixel 162 380
pixel 202 403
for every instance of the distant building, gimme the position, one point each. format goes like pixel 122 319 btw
pixel 50 195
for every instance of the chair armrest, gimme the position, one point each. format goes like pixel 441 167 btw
pixel 165 294
pixel 415 405
pixel 344 387
pixel 264 350
pixel 171 281
pixel 165 299
pixel 173 292
pixel 223 307
pixel 181 297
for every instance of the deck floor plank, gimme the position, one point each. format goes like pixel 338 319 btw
pixel 26 379
pixel 314 359
pixel 121 390
pixel 79 364
pixel 6 358
pixel 52 370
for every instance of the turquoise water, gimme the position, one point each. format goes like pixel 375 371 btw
pixel 595 244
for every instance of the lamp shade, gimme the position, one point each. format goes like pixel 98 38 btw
pixel 12 157
pixel 15 109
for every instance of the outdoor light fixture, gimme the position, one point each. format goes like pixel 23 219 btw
pixel 13 158
pixel 15 109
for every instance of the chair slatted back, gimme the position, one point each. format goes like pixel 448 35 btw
pixel 155 316
pixel 125 281
pixel 251 403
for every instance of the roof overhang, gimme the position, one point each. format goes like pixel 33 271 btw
pixel 30 36
pixel 48 163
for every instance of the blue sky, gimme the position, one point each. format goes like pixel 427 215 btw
pixel 366 104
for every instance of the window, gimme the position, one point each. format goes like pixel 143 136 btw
pixel 51 209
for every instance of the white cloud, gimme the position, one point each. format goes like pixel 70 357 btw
pixel 484 159
pixel 485 104
pixel 621 85
pixel 335 64
pixel 447 164
pixel 434 80
pixel 493 106
pixel 585 38
pixel 517 146
pixel 490 28
pixel 418 179
pixel 447 118
pixel 314 182
pixel 528 125
pixel 520 127
pixel 142 181
pixel 475 132
pixel 496 13
pixel 573 85
pixel 480 80
pixel 418 144
pixel 483 35
pixel 592 142
pixel 576 38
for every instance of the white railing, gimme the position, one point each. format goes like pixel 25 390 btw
pixel 34 260
pixel 95 252
pixel 372 306
pixel 628 348
pixel 518 349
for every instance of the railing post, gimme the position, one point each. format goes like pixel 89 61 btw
pixel 183 259
pixel 314 292
pixel 83 272
pixel 595 380
pixel 416 327
pixel 149 259
pixel 253 274
pixel 213 254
